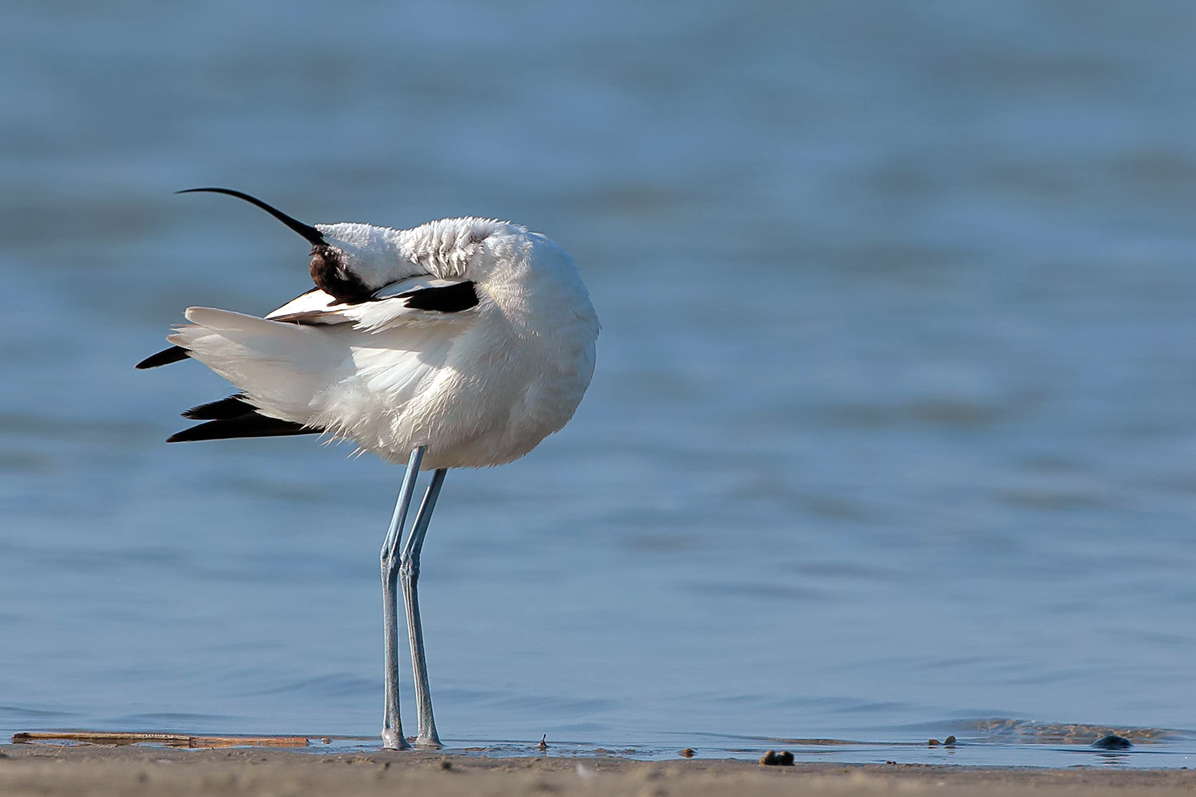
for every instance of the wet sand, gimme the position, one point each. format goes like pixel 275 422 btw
pixel 45 770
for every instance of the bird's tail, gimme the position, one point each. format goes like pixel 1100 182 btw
pixel 280 367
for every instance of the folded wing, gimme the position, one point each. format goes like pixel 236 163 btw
pixel 415 299
pixel 318 365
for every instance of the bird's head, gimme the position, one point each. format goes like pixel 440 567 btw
pixel 349 261
pixel 352 261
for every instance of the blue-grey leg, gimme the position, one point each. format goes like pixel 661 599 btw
pixel 409 567
pixel 392 727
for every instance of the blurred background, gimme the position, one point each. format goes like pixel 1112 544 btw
pixel 893 433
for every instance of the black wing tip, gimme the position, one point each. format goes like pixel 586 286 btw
pixel 250 424
pixel 223 410
pixel 165 357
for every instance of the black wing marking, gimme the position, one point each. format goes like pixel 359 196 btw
pixel 164 357
pixel 449 299
pixel 454 298
pixel 235 417
pixel 223 410
pixel 252 424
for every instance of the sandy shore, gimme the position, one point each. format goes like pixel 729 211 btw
pixel 132 771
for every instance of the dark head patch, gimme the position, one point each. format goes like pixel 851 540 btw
pixel 329 273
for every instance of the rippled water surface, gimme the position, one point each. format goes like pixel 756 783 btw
pixel 893 434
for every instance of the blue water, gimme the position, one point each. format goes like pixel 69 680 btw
pixel 893 433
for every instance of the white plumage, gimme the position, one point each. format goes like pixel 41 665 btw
pixel 459 343
pixel 480 386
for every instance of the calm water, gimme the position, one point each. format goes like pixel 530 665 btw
pixel 893 434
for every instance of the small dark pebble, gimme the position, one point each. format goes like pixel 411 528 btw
pixel 774 759
pixel 1112 742
pixel 445 764
pixel 543 745
pixel 687 753
pixel 934 743
pixel 950 740
pixel 891 763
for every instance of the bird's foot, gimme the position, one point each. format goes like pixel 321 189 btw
pixel 393 740
pixel 426 743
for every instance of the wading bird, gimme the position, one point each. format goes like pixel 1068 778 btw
pixel 461 343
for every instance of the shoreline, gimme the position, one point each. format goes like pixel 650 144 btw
pixel 134 770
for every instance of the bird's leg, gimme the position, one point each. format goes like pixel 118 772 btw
pixel 409 567
pixel 392 727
